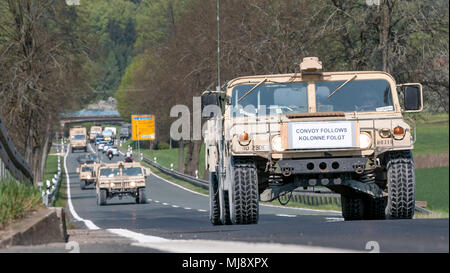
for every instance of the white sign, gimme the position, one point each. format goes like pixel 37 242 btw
pixel 326 134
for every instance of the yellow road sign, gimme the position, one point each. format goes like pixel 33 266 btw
pixel 143 127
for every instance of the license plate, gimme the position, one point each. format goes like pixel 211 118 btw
pixel 322 135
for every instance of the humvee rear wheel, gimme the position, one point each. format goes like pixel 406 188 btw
pixel 141 198
pixel 82 184
pixel 101 197
pixel 244 196
pixel 352 208
pixel 401 185
pixel 214 203
pixel 374 208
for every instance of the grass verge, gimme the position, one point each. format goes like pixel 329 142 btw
pixel 432 185
pixel 17 200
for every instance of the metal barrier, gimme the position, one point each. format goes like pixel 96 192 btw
pixel 49 188
pixel 11 162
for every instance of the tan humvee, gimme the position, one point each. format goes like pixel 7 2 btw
pixel 87 174
pixel 121 179
pixel 78 139
pixel 341 130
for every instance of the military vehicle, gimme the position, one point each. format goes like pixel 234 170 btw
pixel 87 174
pixel 95 130
pixel 268 135
pixel 78 139
pixel 121 179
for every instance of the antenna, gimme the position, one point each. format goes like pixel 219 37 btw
pixel 218 46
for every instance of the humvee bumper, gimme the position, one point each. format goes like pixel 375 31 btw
pixel 322 165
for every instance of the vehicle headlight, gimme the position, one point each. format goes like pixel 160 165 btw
pixel 276 143
pixel 88 176
pixel 365 140
pixel 133 184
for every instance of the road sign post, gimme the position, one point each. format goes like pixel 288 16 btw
pixel 143 128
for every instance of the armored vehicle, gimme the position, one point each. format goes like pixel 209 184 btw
pixel 268 135
pixel 94 132
pixel 78 139
pixel 87 174
pixel 121 179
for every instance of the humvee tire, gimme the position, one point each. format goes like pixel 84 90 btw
pixel 244 195
pixel 352 208
pixel 214 203
pixel 101 198
pixel 374 208
pixel 82 184
pixel 401 185
pixel 141 199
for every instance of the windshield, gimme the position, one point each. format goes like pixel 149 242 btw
pixel 270 99
pixel 134 171
pixel 78 137
pixel 360 96
pixel 87 169
pixel 109 172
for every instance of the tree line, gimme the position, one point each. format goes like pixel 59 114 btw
pixel 159 53
pixel 176 56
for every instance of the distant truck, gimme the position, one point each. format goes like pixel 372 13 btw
pixel 113 130
pixel 95 130
pixel 78 139
pixel 124 133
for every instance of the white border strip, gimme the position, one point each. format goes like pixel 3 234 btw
pixel 89 224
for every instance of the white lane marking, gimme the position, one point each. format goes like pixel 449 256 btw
pixel 286 215
pixel 264 205
pixel 156 201
pixel 92 149
pixel 201 210
pixel 213 246
pixel 89 224
pixel 175 206
pixel 179 186
pixel 165 204
pixel 301 209
pixel 334 219
pixel 187 208
pixel 149 200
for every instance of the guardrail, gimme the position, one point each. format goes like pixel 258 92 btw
pixel 11 162
pixel 187 178
pixel 49 188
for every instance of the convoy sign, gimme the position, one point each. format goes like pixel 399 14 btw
pixel 143 127
pixel 312 135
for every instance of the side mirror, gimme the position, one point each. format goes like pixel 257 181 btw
pixel 413 98
pixel 210 98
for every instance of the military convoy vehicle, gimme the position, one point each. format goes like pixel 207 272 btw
pixel 87 174
pixel 95 130
pixel 121 179
pixel 78 139
pixel 268 135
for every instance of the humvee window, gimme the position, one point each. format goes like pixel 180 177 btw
pixel 270 99
pixel 87 169
pixel 109 172
pixel 78 137
pixel 135 171
pixel 361 96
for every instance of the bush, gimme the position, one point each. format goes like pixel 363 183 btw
pixel 16 200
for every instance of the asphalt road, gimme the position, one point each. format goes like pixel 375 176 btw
pixel 177 220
